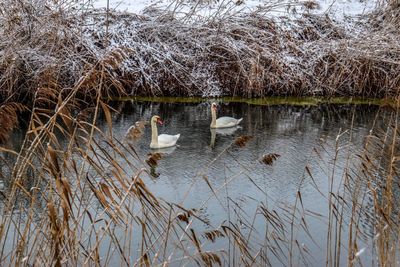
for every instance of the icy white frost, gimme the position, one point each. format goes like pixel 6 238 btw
pixel 338 9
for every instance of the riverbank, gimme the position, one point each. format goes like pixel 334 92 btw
pixel 267 101
pixel 49 50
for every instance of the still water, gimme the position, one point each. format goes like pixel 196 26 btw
pixel 302 136
pixel 292 132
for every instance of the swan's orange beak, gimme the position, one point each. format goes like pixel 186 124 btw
pixel 159 121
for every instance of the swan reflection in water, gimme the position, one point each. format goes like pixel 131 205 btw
pixel 164 151
pixel 222 131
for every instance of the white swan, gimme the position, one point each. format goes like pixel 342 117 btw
pixel 222 122
pixel 162 140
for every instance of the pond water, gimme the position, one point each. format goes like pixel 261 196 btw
pixel 292 132
pixel 303 137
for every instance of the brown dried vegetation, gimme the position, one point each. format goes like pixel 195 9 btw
pixel 48 49
pixel 268 159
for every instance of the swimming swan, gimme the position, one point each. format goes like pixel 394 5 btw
pixel 223 122
pixel 162 140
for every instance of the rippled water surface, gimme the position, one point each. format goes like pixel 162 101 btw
pixel 292 132
pixel 305 138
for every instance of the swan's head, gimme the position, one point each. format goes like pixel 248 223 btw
pixel 214 106
pixel 157 119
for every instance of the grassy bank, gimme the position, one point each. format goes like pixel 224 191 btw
pixel 49 49
pixel 269 101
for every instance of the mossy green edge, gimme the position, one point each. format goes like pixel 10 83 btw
pixel 269 101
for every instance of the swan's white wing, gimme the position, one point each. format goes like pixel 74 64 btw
pixel 227 122
pixel 168 139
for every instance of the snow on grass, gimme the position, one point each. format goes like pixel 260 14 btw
pixel 214 48
pixel 132 6
pixel 336 9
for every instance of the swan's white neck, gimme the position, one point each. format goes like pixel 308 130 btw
pixel 154 133
pixel 213 118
